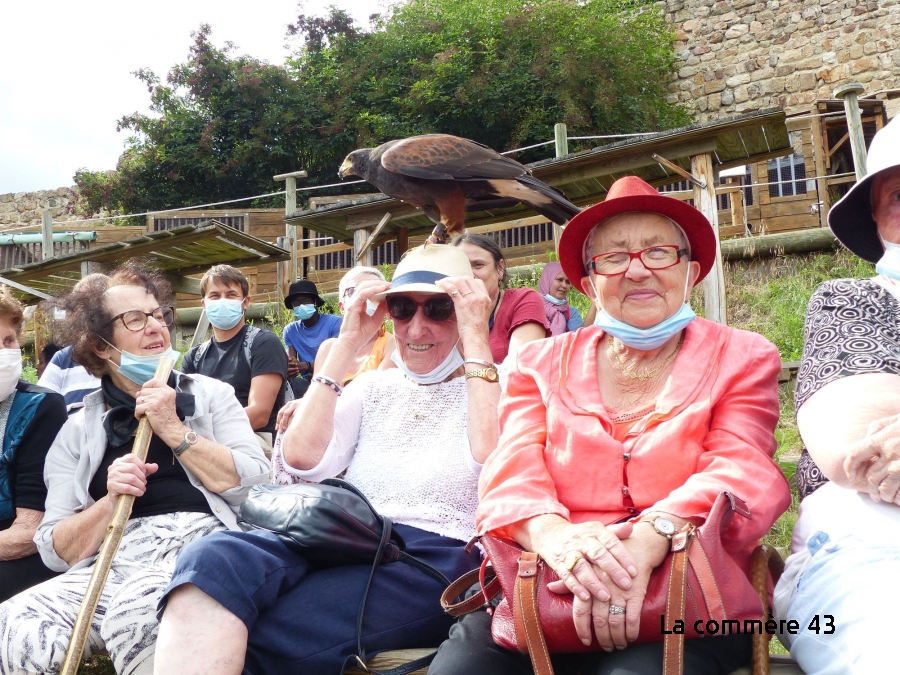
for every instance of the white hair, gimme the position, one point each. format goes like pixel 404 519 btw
pixel 588 249
pixel 351 276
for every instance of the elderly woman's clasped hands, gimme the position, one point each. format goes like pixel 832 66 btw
pixel 872 464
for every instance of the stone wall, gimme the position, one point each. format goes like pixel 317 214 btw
pixel 25 208
pixel 741 55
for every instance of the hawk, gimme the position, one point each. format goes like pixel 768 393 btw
pixel 446 176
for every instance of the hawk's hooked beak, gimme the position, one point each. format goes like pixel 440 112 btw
pixel 346 169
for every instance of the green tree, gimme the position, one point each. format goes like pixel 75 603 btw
pixel 501 72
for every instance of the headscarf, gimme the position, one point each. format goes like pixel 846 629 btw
pixel 557 315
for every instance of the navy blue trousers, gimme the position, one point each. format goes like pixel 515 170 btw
pixel 302 619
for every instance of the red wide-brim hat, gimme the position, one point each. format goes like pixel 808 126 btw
pixel 633 195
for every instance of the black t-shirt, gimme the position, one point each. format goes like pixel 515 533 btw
pixel 26 473
pixel 227 361
pixel 169 490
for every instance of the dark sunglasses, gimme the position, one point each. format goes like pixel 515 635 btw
pixel 401 308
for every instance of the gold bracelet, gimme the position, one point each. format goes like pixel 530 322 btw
pixel 489 374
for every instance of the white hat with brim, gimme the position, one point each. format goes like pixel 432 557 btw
pixel 851 218
pixel 421 267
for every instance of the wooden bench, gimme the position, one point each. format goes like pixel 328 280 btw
pixel 765 561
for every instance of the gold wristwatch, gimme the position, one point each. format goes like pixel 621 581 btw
pixel 490 374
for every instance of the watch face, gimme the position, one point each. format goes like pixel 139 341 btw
pixel 491 375
pixel 191 437
pixel 664 526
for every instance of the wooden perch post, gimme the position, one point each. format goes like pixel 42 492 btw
pixel 47 234
pixel 290 206
pixel 850 93
pixel 705 200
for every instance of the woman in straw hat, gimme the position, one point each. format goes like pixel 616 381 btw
pixel 411 438
pixel 614 437
pixel 840 585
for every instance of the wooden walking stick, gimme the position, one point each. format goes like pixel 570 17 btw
pixel 110 545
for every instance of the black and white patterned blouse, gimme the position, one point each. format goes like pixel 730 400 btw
pixel 852 328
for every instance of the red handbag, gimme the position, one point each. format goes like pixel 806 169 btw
pixel 699 582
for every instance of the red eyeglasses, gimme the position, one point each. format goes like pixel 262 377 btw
pixel 653 258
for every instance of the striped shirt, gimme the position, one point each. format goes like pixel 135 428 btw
pixel 66 377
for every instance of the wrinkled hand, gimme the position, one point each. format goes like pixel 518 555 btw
pixel 286 414
pixel 357 326
pixel 472 306
pixel 615 631
pixel 873 463
pixel 156 400
pixel 127 476
pixel 595 549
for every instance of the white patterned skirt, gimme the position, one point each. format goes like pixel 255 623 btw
pixel 36 625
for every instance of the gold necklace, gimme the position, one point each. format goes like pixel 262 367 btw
pixel 643 377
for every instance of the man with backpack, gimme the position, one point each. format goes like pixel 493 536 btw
pixel 250 359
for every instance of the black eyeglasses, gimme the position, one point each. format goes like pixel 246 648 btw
pixel 653 258
pixel 135 320
pixel 401 308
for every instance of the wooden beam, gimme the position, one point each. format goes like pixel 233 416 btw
pixel 182 284
pixel 87 267
pixel 201 330
pixel 782 243
pixel 371 240
pixel 821 186
pixel 672 166
pixel 705 200
pixel 323 250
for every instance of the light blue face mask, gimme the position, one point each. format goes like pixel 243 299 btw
pixel 646 338
pixel 303 312
pixel 555 301
pixel 452 362
pixel 141 369
pixel 889 265
pixel 224 313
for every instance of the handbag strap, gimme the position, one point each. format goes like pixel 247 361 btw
pixel 489 590
pixel 527 618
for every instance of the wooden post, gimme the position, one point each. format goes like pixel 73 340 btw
pixel 360 237
pixel 201 330
pixel 402 241
pixel 705 200
pixel 821 177
pixel 47 233
pixel 282 271
pixel 87 267
pixel 290 207
pixel 738 213
pixel 850 93
pixel 39 323
pixel 561 137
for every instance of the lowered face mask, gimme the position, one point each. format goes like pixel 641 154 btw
pixel 141 369
pixel 452 362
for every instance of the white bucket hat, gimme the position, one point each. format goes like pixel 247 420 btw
pixel 851 218
pixel 424 265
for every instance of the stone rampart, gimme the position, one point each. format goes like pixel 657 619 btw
pixel 18 209
pixel 741 55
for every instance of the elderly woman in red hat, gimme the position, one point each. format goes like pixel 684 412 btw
pixel 615 436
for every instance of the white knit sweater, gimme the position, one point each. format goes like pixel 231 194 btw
pixel 406 447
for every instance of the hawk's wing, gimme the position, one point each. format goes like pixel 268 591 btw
pixel 444 157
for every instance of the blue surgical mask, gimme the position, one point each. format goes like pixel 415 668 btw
pixel 451 363
pixel 303 312
pixel 224 313
pixel 555 301
pixel 647 338
pixel 141 369
pixel 889 265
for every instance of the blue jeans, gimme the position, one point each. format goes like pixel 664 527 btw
pixel 858 584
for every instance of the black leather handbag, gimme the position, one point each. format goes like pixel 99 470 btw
pixel 332 524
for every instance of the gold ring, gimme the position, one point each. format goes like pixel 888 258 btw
pixel 468 293
pixel 571 560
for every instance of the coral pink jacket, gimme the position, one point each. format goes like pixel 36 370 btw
pixel 712 430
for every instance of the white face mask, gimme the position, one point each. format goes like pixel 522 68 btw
pixel 453 361
pixel 10 369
